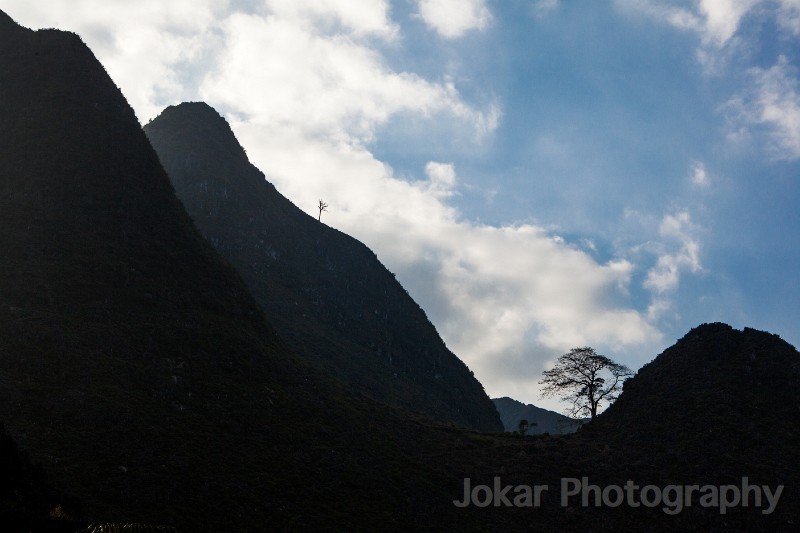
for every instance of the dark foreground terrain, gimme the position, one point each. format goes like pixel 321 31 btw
pixel 141 383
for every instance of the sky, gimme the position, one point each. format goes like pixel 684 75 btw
pixel 540 175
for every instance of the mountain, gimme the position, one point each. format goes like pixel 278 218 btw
pixel 715 377
pixel 326 293
pixel 135 367
pixel 718 410
pixel 719 405
pixel 512 411
pixel 134 363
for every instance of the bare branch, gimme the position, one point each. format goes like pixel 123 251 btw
pixel 581 377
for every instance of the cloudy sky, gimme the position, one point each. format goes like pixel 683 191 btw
pixel 540 175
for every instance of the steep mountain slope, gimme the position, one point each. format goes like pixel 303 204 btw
pixel 512 411
pixel 134 365
pixel 325 292
pixel 123 336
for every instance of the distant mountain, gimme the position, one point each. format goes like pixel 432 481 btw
pixel 511 412
pixel 327 294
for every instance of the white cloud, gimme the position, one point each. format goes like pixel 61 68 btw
pixel 772 101
pixel 776 104
pixel 680 252
pixel 721 18
pixel 768 109
pixel 716 21
pixel 366 17
pixel 442 178
pixel 789 16
pixel 280 73
pixel 699 175
pixel 306 92
pixel 454 18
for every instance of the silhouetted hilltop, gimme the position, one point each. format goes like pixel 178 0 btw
pixel 325 292
pixel 714 376
pixel 512 411
pixel 718 405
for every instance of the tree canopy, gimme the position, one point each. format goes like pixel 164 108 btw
pixel 586 379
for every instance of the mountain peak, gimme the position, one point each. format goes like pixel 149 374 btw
pixel 198 110
pixel 327 293
pixel 213 132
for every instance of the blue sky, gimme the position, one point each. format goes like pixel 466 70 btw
pixel 539 174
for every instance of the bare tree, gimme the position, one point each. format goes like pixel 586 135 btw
pixel 322 207
pixel 586 379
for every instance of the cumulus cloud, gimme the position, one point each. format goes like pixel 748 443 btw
pixel 306 91
pixel 454 18
pixel 291 75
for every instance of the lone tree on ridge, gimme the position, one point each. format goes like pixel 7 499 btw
pixel 586 379
pixel 322 207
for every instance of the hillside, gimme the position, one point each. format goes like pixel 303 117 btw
pixel 512 411
pixel 717 409
pixel 719 393
pixel 327 294
pixel 135 368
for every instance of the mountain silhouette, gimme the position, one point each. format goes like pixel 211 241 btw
pixel 135 367
pixel 327 294
pixel 512 411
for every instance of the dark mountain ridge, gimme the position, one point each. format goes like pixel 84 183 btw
pixel 327 294
pixel 134 365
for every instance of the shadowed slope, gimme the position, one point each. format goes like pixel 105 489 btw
pixel 134 365
pixel 325 292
